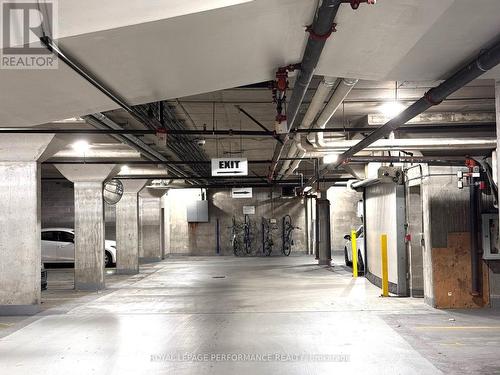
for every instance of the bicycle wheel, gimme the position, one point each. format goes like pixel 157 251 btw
pixel 234 245
pixel 268 247
pixel 248 245
pixel 247 239
pixel 287 248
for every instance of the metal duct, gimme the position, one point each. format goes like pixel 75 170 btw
pixel 359 185
pixel 486 60
pixel 343 89
pixel 314 108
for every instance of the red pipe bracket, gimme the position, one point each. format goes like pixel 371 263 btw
pixel 315 36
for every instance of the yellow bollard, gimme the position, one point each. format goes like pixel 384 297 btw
pixel 385 272
pixel 354 254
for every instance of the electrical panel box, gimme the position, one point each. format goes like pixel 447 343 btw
pixel 391 174
pixel 197 212
pixel 490 236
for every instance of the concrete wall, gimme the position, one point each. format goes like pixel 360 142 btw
pixel 200 238
pixel 149 227
pixel 343 214
pixel 58 207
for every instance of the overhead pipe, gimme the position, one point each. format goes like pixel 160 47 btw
pixel 101 121
pixel 151 162
pixel 179 149
pixel 474 239
pixel 320 30
pixel 314 108
pixel 239 179
pixel 488 127
pixel 316 139
pixel 357 185
pixel 486 60
pixel 341 91
pixel 404 144
pixel 431 160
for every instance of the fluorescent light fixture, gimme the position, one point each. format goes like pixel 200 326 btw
pixel 70 120
pixel 391 109
pixel 330 158
pixel 81 146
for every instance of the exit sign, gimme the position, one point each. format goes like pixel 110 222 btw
pixel 229 167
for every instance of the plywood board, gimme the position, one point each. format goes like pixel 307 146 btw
pixel 451 268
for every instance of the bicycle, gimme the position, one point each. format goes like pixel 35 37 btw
pixel 267 236
pixel 247 239
pixel 236 244
pixel 287 235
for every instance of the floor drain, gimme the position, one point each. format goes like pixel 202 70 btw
pixel 218 277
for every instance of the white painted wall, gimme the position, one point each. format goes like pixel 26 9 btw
pixel 381 219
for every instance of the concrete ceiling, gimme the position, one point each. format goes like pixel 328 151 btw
pixel 218 110
pixel 173 49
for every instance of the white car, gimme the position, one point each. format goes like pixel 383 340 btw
pixel 58 246
pixel 360 244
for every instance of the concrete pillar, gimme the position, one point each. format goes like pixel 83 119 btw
pixel 89 222
pixel 20 259
pixel 323 215
pixel 313 228
pixel 150 221
pixel 127 228
pixel 306 209
pixel 495 276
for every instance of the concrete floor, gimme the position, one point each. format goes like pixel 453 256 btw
pixel 226 315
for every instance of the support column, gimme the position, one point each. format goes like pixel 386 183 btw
pixel 20 252
pixel 149 219
pixel 494 272
pixel 127 228
pixel 89 222
pixel 306 209
pixel 323 215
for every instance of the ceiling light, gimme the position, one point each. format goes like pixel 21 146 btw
pixel 330 158
pixel 80 146
pixel 392 109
